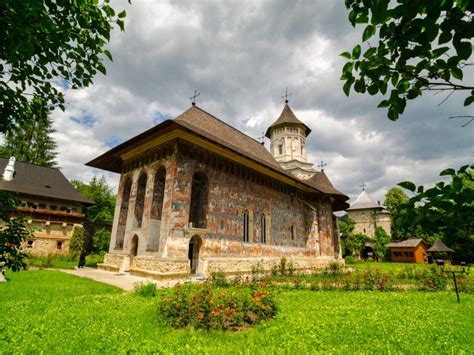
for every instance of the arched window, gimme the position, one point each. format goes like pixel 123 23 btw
pixel 158 194
pixel 246 226
pixel 156 209
pixel 123 215
pixel 199 195
pixel 263 224
pixel 140 201
pixel 292 232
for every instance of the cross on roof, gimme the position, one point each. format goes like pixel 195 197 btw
pixel 286 96
pixel 262 138
pixel 363 185
pixel 193 98
pixel 322 165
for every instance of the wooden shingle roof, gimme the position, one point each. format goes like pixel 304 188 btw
pixel 39 181
pixel 202 124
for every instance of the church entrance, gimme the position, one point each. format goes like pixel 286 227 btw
pixel 133 247
pixel 193 253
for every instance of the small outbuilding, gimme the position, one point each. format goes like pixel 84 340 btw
pixel 439 250
pixel 408 251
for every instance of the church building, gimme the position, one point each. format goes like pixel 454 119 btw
pixel 197 195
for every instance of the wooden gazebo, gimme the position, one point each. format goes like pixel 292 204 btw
pixel 439 247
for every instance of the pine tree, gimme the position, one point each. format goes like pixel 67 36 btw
pixel 30 141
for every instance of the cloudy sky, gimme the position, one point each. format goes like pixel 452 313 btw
pixel 241 56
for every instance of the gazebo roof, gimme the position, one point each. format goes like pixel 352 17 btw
pixel 439 246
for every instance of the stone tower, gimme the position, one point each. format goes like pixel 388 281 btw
pixel 288 143
pixel 369 215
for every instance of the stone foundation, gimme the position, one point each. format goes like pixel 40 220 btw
pixel 167 268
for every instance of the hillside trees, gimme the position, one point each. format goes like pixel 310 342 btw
pixel 412 46
pixel 30 141
pixel 96 234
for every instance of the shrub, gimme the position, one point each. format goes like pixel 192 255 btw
pixel 350 259
pixel 433 279
pixel 145 289
pixel 202 307
pixel 219 279
pixel 257 271
pixel 291 268
pixel 282 266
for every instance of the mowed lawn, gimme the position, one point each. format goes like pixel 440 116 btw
pixel 58 313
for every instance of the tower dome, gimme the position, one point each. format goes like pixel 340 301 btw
pixel 288 143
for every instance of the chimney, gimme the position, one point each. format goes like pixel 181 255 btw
pixel 9 170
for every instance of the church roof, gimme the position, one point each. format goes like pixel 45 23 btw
pixel 320 181
pixel 364 201
pixel 211 127
pixel 287 117
pixel 39 181
pixel 201 123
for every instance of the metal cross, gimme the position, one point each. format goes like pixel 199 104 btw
pixel 286 96
pixel 262 138
pixel 193 98
pixel 322 165
pixel 363 185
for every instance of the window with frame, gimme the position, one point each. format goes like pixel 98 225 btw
pixel 246 226
pixel 280 149
pixel 263 223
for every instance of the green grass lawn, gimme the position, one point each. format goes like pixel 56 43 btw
pixel 48 311
pixel 386 266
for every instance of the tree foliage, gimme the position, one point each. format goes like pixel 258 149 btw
pixel 30 141
pixel 416 45
pixel 447 209
pixel 47 44
pixel 12 234
pixel 99 216
pixel 352 243
pixel 381 239
pixel 394 198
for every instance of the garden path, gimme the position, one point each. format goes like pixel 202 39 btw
pixel 122 280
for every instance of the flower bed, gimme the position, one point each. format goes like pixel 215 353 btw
pixel 204 307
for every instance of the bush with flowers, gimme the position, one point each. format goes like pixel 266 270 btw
pixel 203 306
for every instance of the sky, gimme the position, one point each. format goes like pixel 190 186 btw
pixel 241 56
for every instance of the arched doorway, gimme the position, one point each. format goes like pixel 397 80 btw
pixel 193 253
pixel 133 247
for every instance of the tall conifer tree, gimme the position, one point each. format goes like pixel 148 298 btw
pixel 30 141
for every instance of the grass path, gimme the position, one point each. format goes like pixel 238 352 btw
pixel 58 313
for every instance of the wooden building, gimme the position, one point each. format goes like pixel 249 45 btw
pixel 408 251
pixel 49 203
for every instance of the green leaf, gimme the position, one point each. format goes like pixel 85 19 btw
pixel 356 52
pixel 408 186
pixel 449 171
pixel 368 32
pixel 108 54
pixel 439 51
pixel 383 104
pixel 469 100
pixel 122 14
pixel 346 55
pixel 463 49
pixel 457 73
pixel 445 37
pixel 347 86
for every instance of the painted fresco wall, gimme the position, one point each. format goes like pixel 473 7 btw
pixel 297 225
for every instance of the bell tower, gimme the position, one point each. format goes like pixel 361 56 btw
pixel 288 143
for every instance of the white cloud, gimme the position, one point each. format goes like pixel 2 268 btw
pixel 241 56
